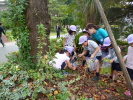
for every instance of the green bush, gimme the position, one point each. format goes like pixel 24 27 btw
pixel 58 43
pixel 121 43
pixel 79 47
pixel 9 35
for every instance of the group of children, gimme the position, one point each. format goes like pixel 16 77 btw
pixel 98 48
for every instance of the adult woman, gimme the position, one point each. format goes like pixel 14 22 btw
pixel 99 34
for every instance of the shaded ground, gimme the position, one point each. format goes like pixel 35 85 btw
pixel 85 87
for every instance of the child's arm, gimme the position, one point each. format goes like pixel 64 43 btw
pixel 111 61
pixel 115 58
pixel 74 56
pixel 69 65
pixel 64 40
pixel 96 51
pixel 74 45
pixel 125 58
pixel 82 54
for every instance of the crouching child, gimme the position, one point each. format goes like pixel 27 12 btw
pixel 115 66
pixel 62 59
pixel 94 52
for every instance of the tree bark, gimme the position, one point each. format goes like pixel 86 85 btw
pixel 36 13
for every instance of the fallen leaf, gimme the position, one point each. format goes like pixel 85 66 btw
pixel 50 94
pixel 7 78
pixel 30 83
pixel 55 92
pixel 15 90
pixel 103 97
pixel 107 90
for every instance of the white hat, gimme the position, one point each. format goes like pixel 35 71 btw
pixel 82 39
pixel 130 38
pixel 85 31
pixel 107 41
pixel 69 49
pixel 73 28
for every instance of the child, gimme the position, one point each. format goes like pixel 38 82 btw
pixel 94 51
pixel 73 58
pixel 69 38
pixel 85 33
pixel 129 60
pixel 115 66
pixel 62 60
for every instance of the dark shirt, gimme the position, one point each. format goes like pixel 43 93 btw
pixel 57 28
pixel 1 31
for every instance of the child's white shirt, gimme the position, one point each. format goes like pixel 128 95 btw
pixel 69 40
pixel 92 47
pixel 129 58
pixel 58 60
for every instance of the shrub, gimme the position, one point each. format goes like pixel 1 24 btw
pixel 79 47
pixel 121 43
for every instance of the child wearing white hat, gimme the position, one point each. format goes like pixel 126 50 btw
pixel 129 60
pixel 62 60
pixel 95 52
pixel 70 37
pixel 115 66
pixel 85 33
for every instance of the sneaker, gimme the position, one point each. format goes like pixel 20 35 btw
pixel 82 66
pixel 115 81
pixel 64 73
pixel 95 78
pixel 110 77
pixel 89 70
pixel 128 93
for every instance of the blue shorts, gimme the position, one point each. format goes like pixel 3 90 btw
pixel 116 66
pixel 130 71
pixel 99 58
pixel 63 66
pixel 87 54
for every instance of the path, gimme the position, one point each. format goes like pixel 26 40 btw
pixel 10 47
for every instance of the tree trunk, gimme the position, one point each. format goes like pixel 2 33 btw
pixel 36 13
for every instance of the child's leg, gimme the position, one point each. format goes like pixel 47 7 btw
pixel 111 74
pixel 97 68
pixel 98 58
pixel 130 72
pixel 112 70
pixel 96 78
pixel 116 69
pixel 115 73
pixel 63 66
pixel 84 57
pixel 84 61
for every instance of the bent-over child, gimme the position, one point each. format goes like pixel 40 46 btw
pixel 62 60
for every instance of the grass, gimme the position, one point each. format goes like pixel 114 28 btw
pixel 52 33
